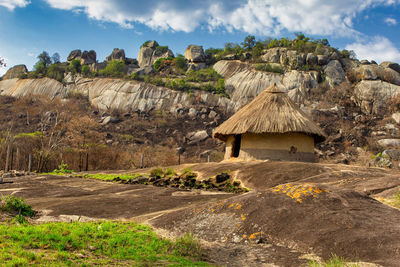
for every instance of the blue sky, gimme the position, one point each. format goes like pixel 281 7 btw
pixel 369 27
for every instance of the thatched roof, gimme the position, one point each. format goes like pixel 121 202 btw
pixel 272 111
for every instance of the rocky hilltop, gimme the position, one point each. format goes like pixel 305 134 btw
pixel 356 102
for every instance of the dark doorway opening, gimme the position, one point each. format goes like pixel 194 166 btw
pixel 236 146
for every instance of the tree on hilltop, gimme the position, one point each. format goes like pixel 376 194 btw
pixel 45 58
pixel 2 62
pixel 55 58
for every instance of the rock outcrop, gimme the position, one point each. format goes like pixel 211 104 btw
pixel 194 53
pixel 334 72
pixel 85 57
pixel 115 94
pixel 245 83
pixel 373 96
pixel 150 52
pixel 391 65
pixel 15 72
pixel 117 54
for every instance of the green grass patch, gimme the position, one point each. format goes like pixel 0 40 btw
pixel 334 261
pixel 110 177
pixel 94 243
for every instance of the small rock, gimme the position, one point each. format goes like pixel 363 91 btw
pixel 396 117
pixel 389 142
pixel 92 248
pixel 212 115
pixel 193 112
pixel 8 175
pixel 222 177
pixel 392 153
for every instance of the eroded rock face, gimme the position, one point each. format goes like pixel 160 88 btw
pixel 88 57
pixel 273 55
pixel 75 54
pixel 150 52
pixel 372 96
pixel 245 83
pixel 391 65
pixel 15 72
pixel 334 72
pixel 115 93
pixel 117 54
pixel 85 57
pixel 194 53
pixel 375 72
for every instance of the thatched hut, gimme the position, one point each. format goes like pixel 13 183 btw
pixel 270 127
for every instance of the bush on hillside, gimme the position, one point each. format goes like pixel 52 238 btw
pixel 115 68
pixel 75 66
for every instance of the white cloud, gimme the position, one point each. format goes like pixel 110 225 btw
pixel 391 21
pixel 12 4
pixel 263 17
pixel 378 48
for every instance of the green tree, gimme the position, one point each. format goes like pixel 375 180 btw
pixel 2 62
pixel 75 66
pixel 56 72
pixel 55 58
pixel 180 62
pixel 249 42
pixel 45 58
pixel 40 69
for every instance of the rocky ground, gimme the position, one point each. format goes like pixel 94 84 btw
pixel 294 211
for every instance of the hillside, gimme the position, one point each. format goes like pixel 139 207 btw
pixel 355 102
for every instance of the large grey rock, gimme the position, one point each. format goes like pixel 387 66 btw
pixel 396 117
pixel 293 59
pixel 15 72
pixel 372 96
pixel 115 94
pixel 246 83
pixel 364 62
pixel 197 137
pixel 145 56
pixel 334 72
pixel 389 142
pixel 117 54
pixel 194 53
pixel 75 54
pixel 349 64
pixel 149 53
pixel 375 72
pixel 392 153
pixel 95 67
pixel 273 55
pixel 311 59
pixel 196 66
pixel 322 60
pixel 391 65
pixel 88 57
pixel 143 71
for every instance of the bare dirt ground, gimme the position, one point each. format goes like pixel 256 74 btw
pixel 294 210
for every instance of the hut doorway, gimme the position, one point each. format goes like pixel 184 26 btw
pixel 236 146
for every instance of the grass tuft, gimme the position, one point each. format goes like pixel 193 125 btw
pixel 187 245
pixel 12 203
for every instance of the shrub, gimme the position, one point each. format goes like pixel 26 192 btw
pixel 85 70
pixel 63 168
pixel 161 49
pixel 115 68
pixel 188 246
pixel 75 66
pixel 180 63
pixel 157 172
pixel 203 75
pixel 56 72
pixel 268 68
pixel 12 203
